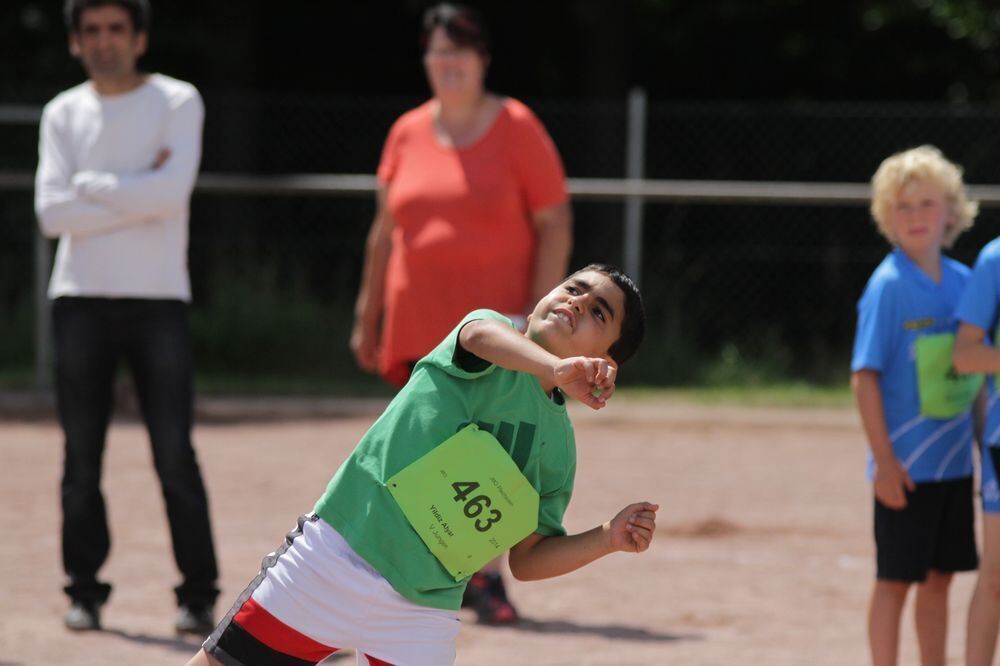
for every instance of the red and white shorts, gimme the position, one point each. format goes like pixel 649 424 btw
pixel 314 596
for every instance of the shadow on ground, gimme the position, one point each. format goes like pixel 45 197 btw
pixel 612 631
pixel 189 645
pixel 186 645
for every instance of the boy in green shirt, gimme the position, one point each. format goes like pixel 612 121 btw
pixel 474 455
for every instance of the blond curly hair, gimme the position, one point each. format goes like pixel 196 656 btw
pixel 922 163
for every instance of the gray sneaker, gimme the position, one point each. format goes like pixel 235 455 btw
pixel 194 620
pixel 83 616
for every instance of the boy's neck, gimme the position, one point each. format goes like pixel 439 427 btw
pixel 928 261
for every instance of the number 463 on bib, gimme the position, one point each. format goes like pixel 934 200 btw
pixel 467 500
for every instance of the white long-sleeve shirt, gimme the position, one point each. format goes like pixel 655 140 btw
pixel 122 225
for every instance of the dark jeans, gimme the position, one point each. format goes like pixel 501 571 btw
pixel 153 337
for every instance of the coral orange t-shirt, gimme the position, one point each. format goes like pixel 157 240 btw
pixel 463 237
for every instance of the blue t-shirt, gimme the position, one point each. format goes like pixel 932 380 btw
pixel 900 304
pixel 980 306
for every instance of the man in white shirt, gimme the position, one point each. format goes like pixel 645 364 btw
pixel 118 157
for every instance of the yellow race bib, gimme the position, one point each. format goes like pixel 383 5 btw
pixel 467 500
pixel 944 393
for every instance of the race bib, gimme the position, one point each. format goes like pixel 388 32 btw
pixel 467 500
pixel 944 393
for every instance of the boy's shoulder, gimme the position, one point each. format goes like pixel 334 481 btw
pixel 887 284
pixel 486 313
pixel 990 252
pixel 475 315
pixel 887 274
pixel 955 266
pixel 449 355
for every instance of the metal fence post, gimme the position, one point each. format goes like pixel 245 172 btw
pixel 43 323
pixel 635 158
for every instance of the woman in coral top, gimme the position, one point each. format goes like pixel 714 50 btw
pixel 472 212
pixel 472 209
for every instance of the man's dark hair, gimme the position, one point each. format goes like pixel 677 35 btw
pixel 634 317
pixel 463 25
pixel 138 11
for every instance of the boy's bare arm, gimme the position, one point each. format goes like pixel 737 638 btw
pixel 972 354
pixel 538 557
pixel 497 343
pixel 979 406
pixel 890 476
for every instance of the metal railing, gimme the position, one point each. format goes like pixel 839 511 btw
pixel 642 148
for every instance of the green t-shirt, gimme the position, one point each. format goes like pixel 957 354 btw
pixel 449 389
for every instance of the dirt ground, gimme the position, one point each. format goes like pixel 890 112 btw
pixel 763 555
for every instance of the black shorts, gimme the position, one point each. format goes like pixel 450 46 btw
pixel 934 531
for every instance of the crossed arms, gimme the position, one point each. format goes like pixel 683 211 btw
pixel 86 203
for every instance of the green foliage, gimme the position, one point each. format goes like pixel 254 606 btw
pixel 256 332
pixel 17 325
pixel 777 49
pixel 744 362
pixel 779 394
pixel 767 361
pixel 973 21
pixel 17 359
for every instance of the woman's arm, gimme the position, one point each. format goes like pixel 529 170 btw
pixel 554 241
pixel 371 293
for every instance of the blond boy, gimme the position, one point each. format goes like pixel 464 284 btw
pixel 914 408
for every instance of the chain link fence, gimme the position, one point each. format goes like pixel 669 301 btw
pixel 735 292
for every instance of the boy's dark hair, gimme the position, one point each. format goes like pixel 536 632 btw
pixel 138 11
pixel 634 317
pixel 463 25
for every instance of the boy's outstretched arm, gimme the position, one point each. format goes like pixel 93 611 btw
pixel 972 352
pixel 498 343
pixel 538 557
pixel 979 410
pixel 891 478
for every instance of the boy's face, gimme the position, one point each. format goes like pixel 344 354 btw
pixel 580 317
pixel 919 216
pixel 107 43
